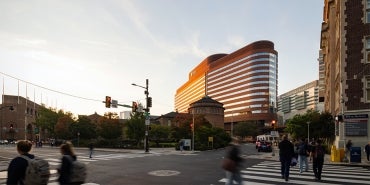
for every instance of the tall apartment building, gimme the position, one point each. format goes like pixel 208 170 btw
pixel 245 82
pixel 345 46
pixel 298 101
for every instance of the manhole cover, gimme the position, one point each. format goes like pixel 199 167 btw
pixel 164 173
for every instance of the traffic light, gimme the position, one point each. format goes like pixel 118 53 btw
pixel 273 124
pixel 134 106
pixel 108 101
pixel 149 102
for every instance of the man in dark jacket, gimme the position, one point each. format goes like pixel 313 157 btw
pixel 17 167
pixel 286 153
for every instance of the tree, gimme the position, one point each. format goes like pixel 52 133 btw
pixel 244 129
pixel 109 128
pixel 85 127
pixel 61 129
pixel 159 133
pixel 48 118
pixel 135 128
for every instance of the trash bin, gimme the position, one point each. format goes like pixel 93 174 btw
pixel 355 153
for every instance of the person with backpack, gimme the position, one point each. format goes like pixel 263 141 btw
pixel 317 156
pixel 22 169
pixel 302 155
pixel 65 170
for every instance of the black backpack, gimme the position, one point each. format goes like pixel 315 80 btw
pixel 319 152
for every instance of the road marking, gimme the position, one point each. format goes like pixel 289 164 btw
pixel 163 173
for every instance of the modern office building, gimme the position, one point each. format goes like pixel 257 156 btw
pixel 245 82
pixel 345 46
pixel 298 101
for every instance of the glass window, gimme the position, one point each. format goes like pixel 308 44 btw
pixel 368 49
pixel 368 11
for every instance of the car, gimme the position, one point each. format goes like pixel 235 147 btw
pixel 265 147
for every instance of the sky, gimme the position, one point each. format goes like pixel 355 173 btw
pixel 70 54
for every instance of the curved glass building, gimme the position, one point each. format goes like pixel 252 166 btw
pixel 245 81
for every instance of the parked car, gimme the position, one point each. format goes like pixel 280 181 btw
pixel 265 147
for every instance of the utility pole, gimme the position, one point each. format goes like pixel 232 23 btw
pixel 147 118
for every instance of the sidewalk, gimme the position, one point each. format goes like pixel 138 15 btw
pixel 327 160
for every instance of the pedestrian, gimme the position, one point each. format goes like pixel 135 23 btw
pixel 286 153
pixel 367 151
pixel 233 153
pixel 303 153
pixel 64 170
pixel 348 147
pixel 181 144
pixel 17 167
pixel 91 149
pixel 317 156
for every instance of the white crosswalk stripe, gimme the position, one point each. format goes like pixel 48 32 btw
pixel 268 172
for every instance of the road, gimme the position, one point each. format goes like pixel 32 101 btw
pixel 167 166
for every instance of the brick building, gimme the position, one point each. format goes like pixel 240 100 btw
pixel 18 122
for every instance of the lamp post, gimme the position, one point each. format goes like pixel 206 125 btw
pixel 308 131
pixel 147 120
pixel 11 108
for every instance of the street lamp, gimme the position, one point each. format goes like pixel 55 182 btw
pixel 11 108
pixel 308 131
pixel 147 120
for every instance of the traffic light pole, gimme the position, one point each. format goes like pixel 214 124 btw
pixel 147 119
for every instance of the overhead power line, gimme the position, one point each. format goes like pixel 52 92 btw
pixel 59 92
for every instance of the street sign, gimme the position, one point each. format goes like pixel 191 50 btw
pixel 114 103
pixel 147 122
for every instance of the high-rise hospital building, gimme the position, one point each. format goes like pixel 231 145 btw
pixel 245 82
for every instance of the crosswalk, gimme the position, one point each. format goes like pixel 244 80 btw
pixel 54 160
pixel 268 172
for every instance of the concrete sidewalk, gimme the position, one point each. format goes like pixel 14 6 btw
pixel 327 160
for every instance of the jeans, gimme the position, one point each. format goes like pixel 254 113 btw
pixel 233 176
pixel 303 161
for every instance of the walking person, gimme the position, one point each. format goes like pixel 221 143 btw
pixel 348 147
pixel 65 171
pixel 286 153
pixel 233 153
pixel 303 153
pixel 367 151
pixel 317 156
pixel 17 167
pixel 91 149
pixel 181 144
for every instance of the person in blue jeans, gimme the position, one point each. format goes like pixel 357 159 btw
pixel 303 153
pixel 286 152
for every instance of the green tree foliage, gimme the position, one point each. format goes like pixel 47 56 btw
pixel 109 128
pixel 135 128
pixel 47 119
pixel 244 129
pixel 159 133
pixel 220 138
pixel 321 125
pixel 85 127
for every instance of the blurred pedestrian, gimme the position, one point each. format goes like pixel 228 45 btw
pixel 181 144
pixel 303 153
pixel 17 167
pixel 233 153
pixel 65 170
pixel 91 149
pixel 367 151
pixel 317 156
pixel 348 147
pixel 286 153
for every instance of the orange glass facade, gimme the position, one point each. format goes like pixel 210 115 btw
pixel 245 81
